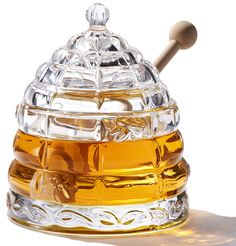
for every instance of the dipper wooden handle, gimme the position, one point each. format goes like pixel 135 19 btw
pixel 182 35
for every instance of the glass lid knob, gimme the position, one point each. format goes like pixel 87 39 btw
pixel 97 14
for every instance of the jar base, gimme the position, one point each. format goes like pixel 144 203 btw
pixel 97 221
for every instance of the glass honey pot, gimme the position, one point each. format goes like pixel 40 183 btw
pixel 98 151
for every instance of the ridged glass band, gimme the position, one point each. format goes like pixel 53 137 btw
pixel 150 216
pixel 98 127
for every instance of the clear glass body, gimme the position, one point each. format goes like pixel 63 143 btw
pixel 98 151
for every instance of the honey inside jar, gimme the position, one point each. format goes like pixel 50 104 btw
pixel 98 173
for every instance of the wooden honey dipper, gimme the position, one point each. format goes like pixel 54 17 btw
pixel 182 35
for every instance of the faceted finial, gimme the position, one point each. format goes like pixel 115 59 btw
pixel 97 14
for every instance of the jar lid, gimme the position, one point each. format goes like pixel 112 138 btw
pixel 93 82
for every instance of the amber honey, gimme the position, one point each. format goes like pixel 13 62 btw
pixel 104 173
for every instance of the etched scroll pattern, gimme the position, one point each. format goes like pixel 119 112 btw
pixel 100 218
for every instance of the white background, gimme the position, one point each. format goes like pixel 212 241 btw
pixel 201 79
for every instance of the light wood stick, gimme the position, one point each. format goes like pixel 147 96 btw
pixel 182 35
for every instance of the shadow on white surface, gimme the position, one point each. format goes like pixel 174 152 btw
pixel 203 229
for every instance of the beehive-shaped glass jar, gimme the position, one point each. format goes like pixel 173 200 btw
pixel 98 150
